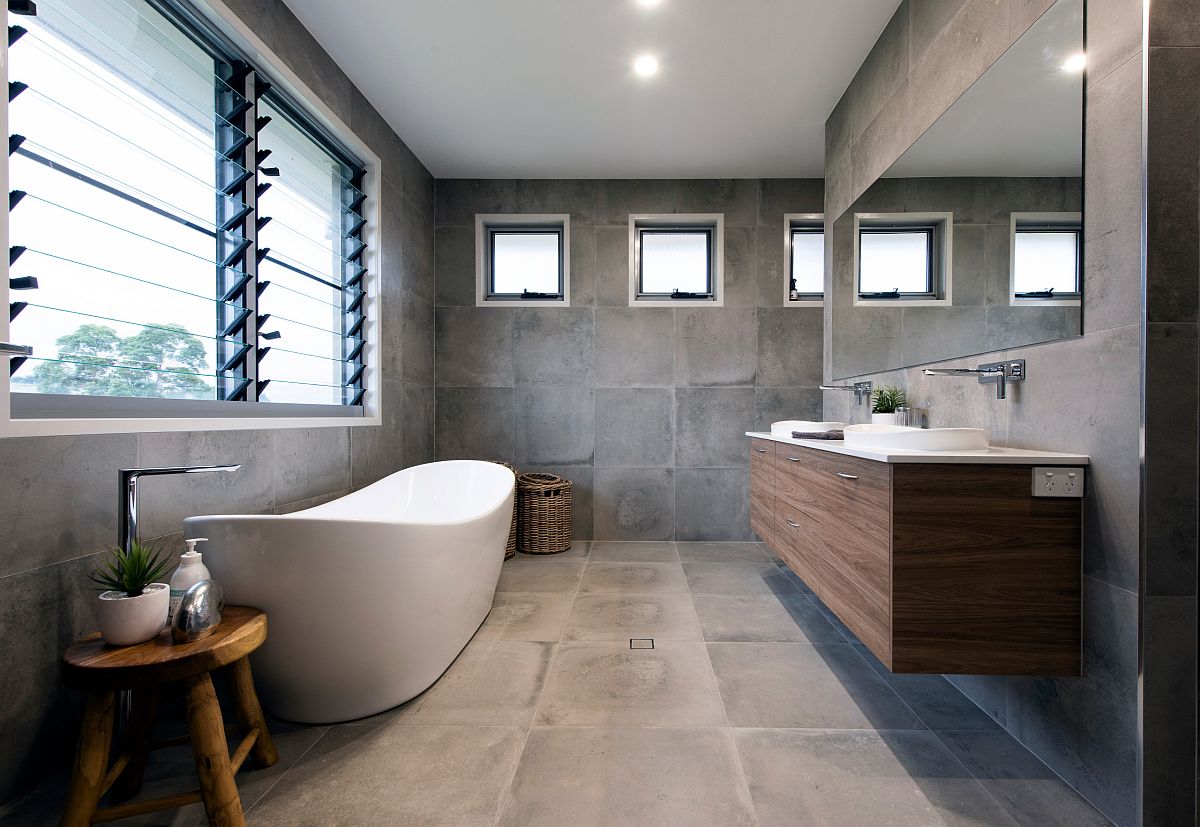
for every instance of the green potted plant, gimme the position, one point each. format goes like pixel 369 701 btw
pixel 884 402
pixel 133 601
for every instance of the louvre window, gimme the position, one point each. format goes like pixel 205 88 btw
pixel 179 229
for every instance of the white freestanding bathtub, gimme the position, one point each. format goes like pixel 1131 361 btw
pixel 369 597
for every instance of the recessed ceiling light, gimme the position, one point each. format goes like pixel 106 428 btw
pixel 645 66
pixel 648 4
pixel 1075 63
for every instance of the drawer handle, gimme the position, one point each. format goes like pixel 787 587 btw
pixel 789 522
pixel 761 450
pixel 792 459
pixel 846 476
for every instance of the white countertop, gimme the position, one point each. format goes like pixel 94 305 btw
pixel 989 456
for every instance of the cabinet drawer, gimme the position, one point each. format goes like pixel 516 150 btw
pixel 761 450
pixel 851 496
pixel 797 543
pixel 762 489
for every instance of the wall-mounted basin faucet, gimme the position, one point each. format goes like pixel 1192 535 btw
pixel 998 373
pixel 127 527
pixel 861 390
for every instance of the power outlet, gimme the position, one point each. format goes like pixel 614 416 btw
pixel 1058 481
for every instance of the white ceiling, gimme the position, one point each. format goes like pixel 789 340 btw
pixel 544 88
pixel 1023 117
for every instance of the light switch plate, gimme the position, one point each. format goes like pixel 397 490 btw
pixel 1058 481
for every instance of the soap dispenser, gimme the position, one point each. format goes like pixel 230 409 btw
pixel 190 572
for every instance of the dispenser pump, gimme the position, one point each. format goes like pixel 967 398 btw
pixel 191 557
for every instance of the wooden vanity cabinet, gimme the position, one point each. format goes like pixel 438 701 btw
pixel 937 568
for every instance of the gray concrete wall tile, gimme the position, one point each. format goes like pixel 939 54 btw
pixel 778 404
pixel 583 266
pixel 778 197
pixel 634 504
pixel 741 267
pixel 612 266
pixel 575 197
pixel 1114 35
pixel 417 340
pixel 635 427
pixel 555 426
pixel 735 198
pixel 772 266
pixel 377 452
pixel 458 200
pixel 617 198
pixel 417 255
pixel 1174 23
pixel 417 428
pixel 788 339
pixel 455 265
pixel 555 346
pixel 308 462
pixel 635 347
pixel 475 346
pixel 474 423
pixel 712 504
pixel 715 347
pixel 710 427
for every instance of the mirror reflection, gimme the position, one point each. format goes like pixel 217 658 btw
pixel 972 241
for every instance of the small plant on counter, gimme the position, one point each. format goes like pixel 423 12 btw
pixel 886 399
pixel 133 602
pixel 130 572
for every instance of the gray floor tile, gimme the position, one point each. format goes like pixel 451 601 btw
pixel 526 616
pixel 626 776
pixel 579 550
pixel 860 778
pixel 933 698
pixel 633 578
pixel 720 552
pixel 791 618
pixel 1030 792
pixel 397 774
pixel 617 552
pixel 762 578
pixel 619 617
pixel 804 685
pixel 529 574
pixel 493 682
pixel 611 684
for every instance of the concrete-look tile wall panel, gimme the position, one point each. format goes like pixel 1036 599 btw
pixel 1082 394
pixel 61 508
pixel 621 399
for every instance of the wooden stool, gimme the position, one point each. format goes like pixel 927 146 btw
pixel 146 670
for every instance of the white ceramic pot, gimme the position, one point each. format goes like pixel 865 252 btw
pixel 125 621
pixel 883 419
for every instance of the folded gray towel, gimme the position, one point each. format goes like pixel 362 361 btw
pixel 818 435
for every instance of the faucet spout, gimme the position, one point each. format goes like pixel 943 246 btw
pixel 127 504
pixel 998 373
pixel 861 390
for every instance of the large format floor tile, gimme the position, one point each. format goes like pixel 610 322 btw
pixel 493 682
pixel 396 774
pixel 611 684
pixel 741 577
pixel 633 578
pixel 804 685
pixel 721 552
pixel 790 618
pixel 533 574
pixel 627 776
pixel 620 617
pixel 616 552
pixel 849 778
pixel 932 698
pixel 526 616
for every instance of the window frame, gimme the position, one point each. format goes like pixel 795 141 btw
pixel 940 227
pixel 23 414
pixel 713 224
pixel 487 225
pixel 813 222
pixel 1040 221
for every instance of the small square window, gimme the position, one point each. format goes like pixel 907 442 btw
pixel 675 259
pixel 1046 258
pixel 522 259
pixel 805 259
pixel 904 257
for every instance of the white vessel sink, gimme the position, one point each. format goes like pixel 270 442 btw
pixel 898 437
pixel 786 427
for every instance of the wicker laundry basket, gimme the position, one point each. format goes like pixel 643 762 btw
pixel 544 520
pixel 510 549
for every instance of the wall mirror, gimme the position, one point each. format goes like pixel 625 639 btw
pixel 972 241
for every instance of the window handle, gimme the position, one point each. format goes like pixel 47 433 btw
pixel 792 524
pixel 1036 294
pixel 684 294
pixel 846 476
pixel 888 294
pixel 531 294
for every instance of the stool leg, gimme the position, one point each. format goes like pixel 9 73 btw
pixel 250 714
pixel 211 754
pixel 91 760
pixel 137 743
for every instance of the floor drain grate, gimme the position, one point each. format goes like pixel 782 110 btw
pixel 641 643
